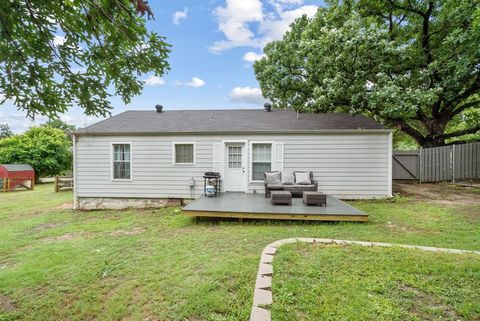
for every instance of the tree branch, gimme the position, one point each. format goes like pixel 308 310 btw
pixel 465 106
pixel 408 130
pixel 472 130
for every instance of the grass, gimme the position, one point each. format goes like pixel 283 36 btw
pixel 318 282
pixel 56 264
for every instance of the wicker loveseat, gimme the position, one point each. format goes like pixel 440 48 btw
pixel 296 189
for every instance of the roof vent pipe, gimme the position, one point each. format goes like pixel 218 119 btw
pixel 267 106
pixel 159 108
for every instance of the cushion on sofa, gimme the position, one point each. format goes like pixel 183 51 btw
pixel 275 187
pixel 273 178
pixel 302 178
pixel 288 178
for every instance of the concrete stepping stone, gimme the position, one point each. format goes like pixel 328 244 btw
pixel 266 258
pixel 263 282
pixel 269 250
pixel 260 314
pixel 265 269
pixel 262 297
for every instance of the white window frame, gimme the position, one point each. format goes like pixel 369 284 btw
pixel 250 161
pixel 112 159
pixel 174 152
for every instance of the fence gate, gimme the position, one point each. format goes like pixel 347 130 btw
pixel 447 163
pixel 405 164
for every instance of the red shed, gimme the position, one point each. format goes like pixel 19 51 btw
pixel 14 176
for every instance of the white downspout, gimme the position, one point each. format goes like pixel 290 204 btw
pixel 74 147
pixel 390 168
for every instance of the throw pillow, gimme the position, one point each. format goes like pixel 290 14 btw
pixel 273 178
pixel 302 178
pixel 288 178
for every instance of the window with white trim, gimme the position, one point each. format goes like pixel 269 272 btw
pixel 261 160
pixel 234 157
pixel 122 167
pixel 184 153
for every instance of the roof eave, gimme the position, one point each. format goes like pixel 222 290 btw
pixel 320 131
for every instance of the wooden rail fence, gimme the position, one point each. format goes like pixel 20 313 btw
pixel 446 163
pixel 63 183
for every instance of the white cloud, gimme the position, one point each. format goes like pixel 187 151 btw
pixel 154 81
pixel 252 56
pixel 233 20
pixel 195 82
pixel 179 15
pixel 58 40
pixel 245 23
pixel 249 95
pixel 274 28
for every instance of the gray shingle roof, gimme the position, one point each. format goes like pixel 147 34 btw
pixel 17 167
pixel 225 121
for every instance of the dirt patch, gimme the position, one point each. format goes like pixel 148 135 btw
pixel 439 193
pixel 134 231
pixel 6 304
pixel 470 213
pixel 67 237
pixel 407 229
pixel 423 300
pixel 46 226
pixel 65 206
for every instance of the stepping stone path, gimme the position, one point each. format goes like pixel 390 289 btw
pixel 262 296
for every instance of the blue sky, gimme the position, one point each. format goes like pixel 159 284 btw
pixel 214 44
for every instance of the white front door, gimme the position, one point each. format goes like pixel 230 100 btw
pixel 235 179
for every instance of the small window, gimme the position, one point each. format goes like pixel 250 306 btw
pixel 261 160
pixel 234 157
pixel 184 154
pixel 122 168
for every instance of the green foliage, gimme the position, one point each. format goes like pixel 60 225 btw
pixel 46 149
pixel 402 141
pixel 5 131
pixel 105 47
pixel 63 126
pixel 413 65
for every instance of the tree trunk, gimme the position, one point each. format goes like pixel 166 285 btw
pixel 431 141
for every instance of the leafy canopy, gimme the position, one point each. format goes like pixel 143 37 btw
pixel 56 54
pixel 46 149
pixel 414 65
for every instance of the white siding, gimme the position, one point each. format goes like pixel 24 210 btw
pixel 345 165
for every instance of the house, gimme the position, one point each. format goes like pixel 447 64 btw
pixel 143 158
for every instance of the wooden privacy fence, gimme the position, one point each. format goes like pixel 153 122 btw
pixel 455 162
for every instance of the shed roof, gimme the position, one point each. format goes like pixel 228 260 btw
pixel 227 121
pixel 17 167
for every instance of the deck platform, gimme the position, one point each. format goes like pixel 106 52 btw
pixel 256 206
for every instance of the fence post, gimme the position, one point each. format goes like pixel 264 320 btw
pixel 453 163
pixel 420 162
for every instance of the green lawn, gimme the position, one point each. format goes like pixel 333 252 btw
pixel 330 282
pixel 56 264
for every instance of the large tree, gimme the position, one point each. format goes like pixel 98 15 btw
pixel 412 64
pixel 46 149
pixel 57 54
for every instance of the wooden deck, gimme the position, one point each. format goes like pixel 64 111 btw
pixel 256 206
